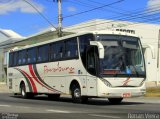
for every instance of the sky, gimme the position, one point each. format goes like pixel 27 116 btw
pixel 21 17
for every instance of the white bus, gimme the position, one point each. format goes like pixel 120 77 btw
pixel 84 65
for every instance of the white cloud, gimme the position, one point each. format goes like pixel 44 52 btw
pixel 71 9
pixel 153 6
pixel 18 5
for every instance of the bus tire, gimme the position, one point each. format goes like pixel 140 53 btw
pixel 24 94
pixel 76 94
pixel 54 96
pixel 23 90
pixel 115 100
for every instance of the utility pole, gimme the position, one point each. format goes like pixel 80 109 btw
pixel 59 18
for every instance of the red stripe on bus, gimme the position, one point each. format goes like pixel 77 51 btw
pixel 32 82
pixel 35 77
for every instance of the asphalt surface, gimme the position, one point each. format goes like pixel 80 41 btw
pixel 14 107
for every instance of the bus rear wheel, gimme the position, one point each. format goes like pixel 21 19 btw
pixel 115 100
pixel 76 95
pixel 24 94
pixel 23 90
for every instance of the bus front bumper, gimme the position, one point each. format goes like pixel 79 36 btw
pixel 123 92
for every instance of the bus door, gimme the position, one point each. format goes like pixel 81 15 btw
pixel 92 70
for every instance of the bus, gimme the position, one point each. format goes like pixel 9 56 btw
pixel 105 64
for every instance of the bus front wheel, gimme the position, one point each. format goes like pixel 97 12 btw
pixel 115 100
pixel 76 95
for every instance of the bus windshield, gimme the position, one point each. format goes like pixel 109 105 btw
pixel 122 56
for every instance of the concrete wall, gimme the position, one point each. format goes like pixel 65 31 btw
pixel 1 66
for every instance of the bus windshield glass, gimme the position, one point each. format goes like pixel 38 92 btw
pixel 122 56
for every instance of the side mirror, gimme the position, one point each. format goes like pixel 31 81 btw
pixel 100 48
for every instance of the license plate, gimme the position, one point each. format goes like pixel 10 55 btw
pixel 126 95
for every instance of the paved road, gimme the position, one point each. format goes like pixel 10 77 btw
pixel 40 107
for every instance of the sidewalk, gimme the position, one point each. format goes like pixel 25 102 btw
pixel 4 88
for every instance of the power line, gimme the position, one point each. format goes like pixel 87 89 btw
pixel 45 18
pixel 93 9
pixel 112 21
pixel 137 15
pixel 89 5
pixel 126 14
pixel 108 6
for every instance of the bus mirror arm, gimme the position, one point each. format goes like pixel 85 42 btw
pixel 100 48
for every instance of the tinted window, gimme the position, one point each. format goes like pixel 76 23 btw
pixel 31 55
pixel 11 59
pixel 15 57
pixel 84 42
pixel 22 57
pixel 57 50
pixel 42 53
pixel 71 49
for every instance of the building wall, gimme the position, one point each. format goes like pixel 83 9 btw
pixel 6 36
pixel 1 65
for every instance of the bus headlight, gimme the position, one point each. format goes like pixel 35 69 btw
pixel 106 83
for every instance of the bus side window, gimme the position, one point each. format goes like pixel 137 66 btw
pixel 84 41
pixel 43 53
pixel 24 56
pixel 92 60
pixel 57 50
pixel 71 49
pixel 15 55
pixel 19 57
pixel 10 59
pixel 31 55
pixel 52 53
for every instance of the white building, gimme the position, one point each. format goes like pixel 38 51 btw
pixel 7 37
pixel 150 38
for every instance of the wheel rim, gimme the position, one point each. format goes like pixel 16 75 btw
pixel 23 91
pixel 77 93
